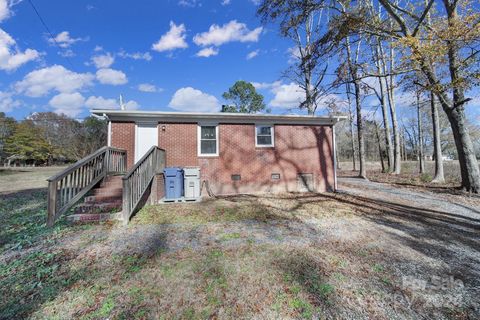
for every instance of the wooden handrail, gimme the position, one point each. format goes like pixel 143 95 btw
pixel 69 186
pixel 137 179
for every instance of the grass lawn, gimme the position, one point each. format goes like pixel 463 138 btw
pixel 269 257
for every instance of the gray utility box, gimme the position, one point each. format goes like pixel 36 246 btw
pixel 191 176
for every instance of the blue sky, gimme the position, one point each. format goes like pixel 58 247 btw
pixel 176 55
pixel 160 55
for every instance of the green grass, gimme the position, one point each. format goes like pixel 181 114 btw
pixel 23 215
pixel 230 236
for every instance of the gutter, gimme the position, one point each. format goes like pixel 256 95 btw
pixel 148 116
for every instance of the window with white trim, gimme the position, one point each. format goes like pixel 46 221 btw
pixel 264 136
pixel 208 140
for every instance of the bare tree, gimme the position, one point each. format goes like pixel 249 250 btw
pixel 437 145
pixel 303 22
pixel 453 39
pixel 421 157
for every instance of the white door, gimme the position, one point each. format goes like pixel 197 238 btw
pixel 146 137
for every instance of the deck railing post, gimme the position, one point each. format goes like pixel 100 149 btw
pixel 52 202
pixel 107 161
pixel 125 201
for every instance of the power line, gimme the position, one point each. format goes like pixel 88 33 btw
pixel 53 37
pixel 48 30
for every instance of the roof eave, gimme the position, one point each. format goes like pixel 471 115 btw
pixel 148 116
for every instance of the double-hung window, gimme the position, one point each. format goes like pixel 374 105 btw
pixel 264 136
pixel 208 140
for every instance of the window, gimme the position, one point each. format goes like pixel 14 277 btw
pixel 208 140
pixel 236 177
pixel 264 136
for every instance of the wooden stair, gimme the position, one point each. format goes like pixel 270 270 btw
pixel 102 203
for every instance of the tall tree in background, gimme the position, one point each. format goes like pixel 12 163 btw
pixel 28 143
pixel 7 126
pixel 451 40
pixel 302 21
pixel 244 97
pixel 93 135
pixel 437 143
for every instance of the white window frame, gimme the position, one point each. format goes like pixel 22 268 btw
pixel 272 133
pixel 199 144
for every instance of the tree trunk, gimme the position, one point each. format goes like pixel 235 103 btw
pixel 386 124
pixel 356 85
pixel 437 146
pixel 380 153
pixel 361 143
pixel 421 157
pixel 352 127
pixel 466 154
pixel 397 166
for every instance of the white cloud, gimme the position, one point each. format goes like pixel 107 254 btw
pixel 103 60
pixel 63 40
pixel 67 53
pixel 173 39
pixel 287 96
pixel 189 3
pixel 266 85
pixel 111 76
pixel 98 48
pixel 7 103
pixel 256 2
pixel 136 55
pixel 147 87
pixel 40 82
pixel 207 52
pixel 252 54
pixel 10 57
pixel 231 31
pixel 101 103
pixel 4 10
pixel 226 2
pixel 106 103
pixel 190 99
pixel 70 104
pixel 291 95
pixel 293 55
pixel 131 105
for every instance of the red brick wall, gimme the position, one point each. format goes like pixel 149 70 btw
pixel 123 137
pixel 180 142
pixel 298 149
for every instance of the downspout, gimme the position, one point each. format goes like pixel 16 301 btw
pixel 109 138
pixel 334 159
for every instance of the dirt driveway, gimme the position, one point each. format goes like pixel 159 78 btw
pixel 423 200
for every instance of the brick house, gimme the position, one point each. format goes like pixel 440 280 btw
pixel 236 153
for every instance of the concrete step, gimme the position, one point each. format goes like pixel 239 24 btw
pixel 105 207
pixel 107 191
pixel 93 217
pixel 99 199
pixel 112 181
